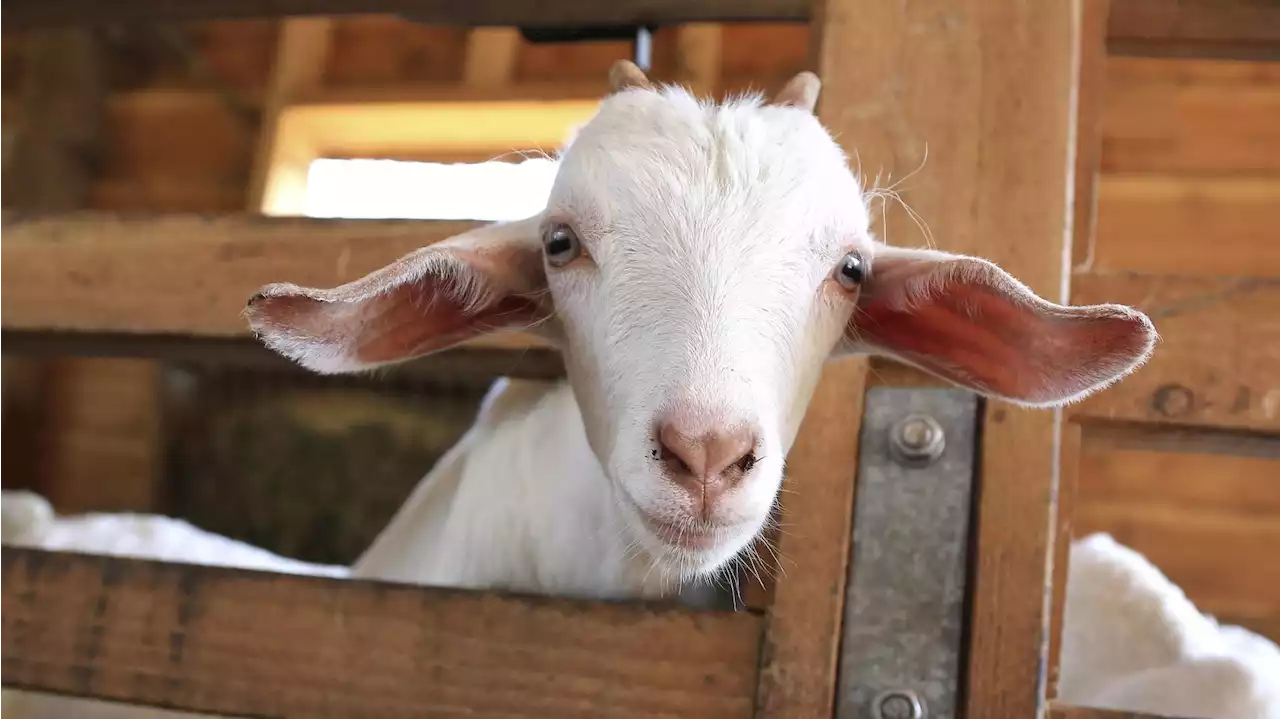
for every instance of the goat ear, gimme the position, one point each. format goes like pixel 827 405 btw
pixel 487 279
pixel 801 91
pixel 624 75
pixel 969 322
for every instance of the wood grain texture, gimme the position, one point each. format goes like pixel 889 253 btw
pixel 1068 712
pixel 186 275
pixel 802 639
pixel 1218 361
pixel 277 184
pixel 238 642
pixel 561 13
pixel 985 93
pixel 799 657
pixel 1195 27
pixel 1200 117
pixel 1202 505
pixel 1188 226
pixel 1089 124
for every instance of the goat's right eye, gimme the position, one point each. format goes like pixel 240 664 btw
pixel 561 245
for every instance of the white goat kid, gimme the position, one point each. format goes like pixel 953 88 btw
pixel 696 264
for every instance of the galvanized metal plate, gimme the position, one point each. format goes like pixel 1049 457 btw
pixel 904 607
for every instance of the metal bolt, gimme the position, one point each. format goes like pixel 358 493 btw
pixel 918 439
pixel 897 704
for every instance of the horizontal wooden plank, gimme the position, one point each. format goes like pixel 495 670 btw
pixel 1135 26
pixel 239 642
pixel 464 364
pixel 1223 560
pixel 1191 117
pixel 187 275
pixel 1195 27
pixel 1214 470
pixel 1218 361
pixel 1204 505
pixel 1068 712
pixel 1188 226
pixel 572 13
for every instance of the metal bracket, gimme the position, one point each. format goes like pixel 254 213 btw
pixel 904 606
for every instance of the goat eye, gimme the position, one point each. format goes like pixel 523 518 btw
pixel 851 271
pixel 561 245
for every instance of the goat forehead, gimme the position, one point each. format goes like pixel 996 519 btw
pixel 664 164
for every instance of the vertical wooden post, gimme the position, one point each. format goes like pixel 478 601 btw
pixel 1092 80
pixel 969 107
pixel 49 165
pixel 799 655
pixel 492 54
pixel 699 56
pixel 279 178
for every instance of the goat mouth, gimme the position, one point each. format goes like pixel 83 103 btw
pixel 689 535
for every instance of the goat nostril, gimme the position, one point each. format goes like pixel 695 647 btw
pixel 673 460
pixel 747 462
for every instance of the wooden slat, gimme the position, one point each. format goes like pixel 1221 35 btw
pixel 240 642
pixel 491 57
pixel 1191 117
pixel 1203 505
pixel 987 98
pixel 1188 226
pixel 29 13
pixel 1218 362
pixel 799 657
pixel 1195 27
pixel 186 275
pixel 1068 712
pixel 1138 26
pixel 1089 141
pixel 278 182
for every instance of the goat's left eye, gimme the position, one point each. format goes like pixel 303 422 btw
pixel 561 245
pixel 852 271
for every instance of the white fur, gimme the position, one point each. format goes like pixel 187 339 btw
pixel 1133 641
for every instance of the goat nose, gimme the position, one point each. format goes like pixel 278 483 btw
pixel 707 455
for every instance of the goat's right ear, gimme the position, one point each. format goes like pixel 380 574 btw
pixel 439 296
pixel 624 75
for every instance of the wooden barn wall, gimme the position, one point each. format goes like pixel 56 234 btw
pixel 1190 187
pixel 1189 203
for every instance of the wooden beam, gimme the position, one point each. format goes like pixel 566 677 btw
pixel 1088 161
pixel 1068 712
pixel 477 13
pixel 1089 111
pixel 699 57
pixel 983 99
pixel 1205 28
pixel 240 642
pixel 1218 361
pixel 278 182
pixel 1184 27
pixel 491 59
pixel 799 658
pixel 188 275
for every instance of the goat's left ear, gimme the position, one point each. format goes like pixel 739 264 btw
pixel 801 91
pixel 488 279
pixel 969 322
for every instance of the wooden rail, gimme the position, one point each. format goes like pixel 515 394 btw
pixel 1067 712
pixel 241 642
pixel 1183 27
pixel 187 275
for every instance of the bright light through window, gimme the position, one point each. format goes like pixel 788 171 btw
pixel 391 189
